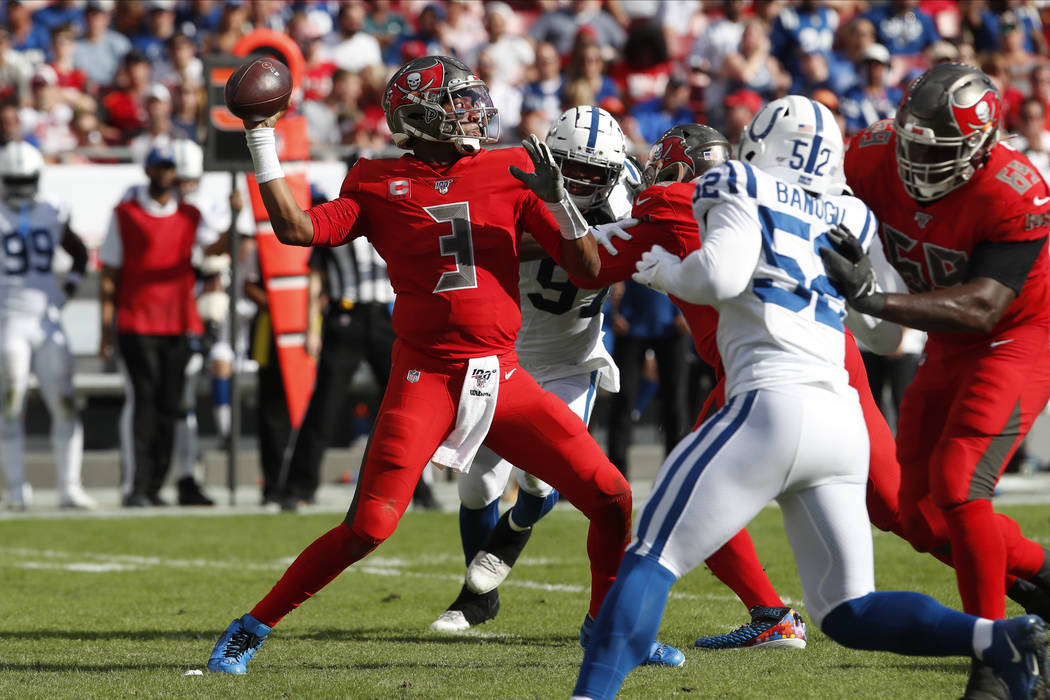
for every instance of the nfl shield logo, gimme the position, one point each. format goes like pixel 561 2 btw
pixel 442 186
pixel 922 218
pixel 413 376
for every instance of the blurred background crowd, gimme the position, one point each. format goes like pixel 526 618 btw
pixel 105 80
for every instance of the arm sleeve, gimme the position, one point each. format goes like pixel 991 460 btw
pixel 1007 262
pixel 334 221
pixel 723 267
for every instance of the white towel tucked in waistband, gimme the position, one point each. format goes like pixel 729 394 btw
pixel 477 405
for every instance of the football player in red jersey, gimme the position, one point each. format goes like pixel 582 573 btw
pixel 448 218
pixel 964 220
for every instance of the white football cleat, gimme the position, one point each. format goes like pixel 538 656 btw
pixel 20 497
pixel 450 621
pixel 75 497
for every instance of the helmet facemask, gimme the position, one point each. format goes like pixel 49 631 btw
pixel 931 166
pixel 673 159
pixel 588 181
pixel 19 191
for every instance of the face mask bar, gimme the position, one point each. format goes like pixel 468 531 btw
pixel 587 193
pixel 931 167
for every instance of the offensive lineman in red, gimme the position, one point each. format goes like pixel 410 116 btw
pixel 448 219
pixel 964 220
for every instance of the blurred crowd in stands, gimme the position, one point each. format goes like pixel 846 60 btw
pixel 76 75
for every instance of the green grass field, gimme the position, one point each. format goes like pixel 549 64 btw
pixel 101 608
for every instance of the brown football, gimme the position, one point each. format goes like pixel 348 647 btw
pixel 258 89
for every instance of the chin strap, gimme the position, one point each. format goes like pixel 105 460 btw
pixel 468 145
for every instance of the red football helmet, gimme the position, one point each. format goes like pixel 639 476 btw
pixel 437 98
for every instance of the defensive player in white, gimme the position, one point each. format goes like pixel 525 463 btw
pixel 560 344
pixel 791 429
pixel 32 228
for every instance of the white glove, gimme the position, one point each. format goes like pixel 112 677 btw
pixel 658 269
pixel 604 233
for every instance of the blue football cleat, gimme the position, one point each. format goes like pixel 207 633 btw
pixel 237 645
pixel 770 627
pixel 1018 656
pixel 660 654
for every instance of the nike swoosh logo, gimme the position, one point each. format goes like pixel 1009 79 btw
pixel 1017 654
pixel 639 202
pixel 507 375
pixel 1040 201
pixel 997 343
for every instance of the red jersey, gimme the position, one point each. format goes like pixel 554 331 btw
pixel 155 295
pixel 930 246
pixel 666 211
pixel 450 238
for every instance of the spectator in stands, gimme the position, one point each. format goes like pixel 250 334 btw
pixel 1019 60
pixel 331 120
pixel 60 12
pixel 814 73
pixel 180 63
pixel 982 21
pixel 903 28
pixel 1039 81
pixel 317 78
pixel 268 14
pixel 505 97
pixel 586 64
pixel 158 30
pixel 644 320
pixel 428 39
pixel 741 106
pixel 871 99
pixel 753 66
pixel 72 81
pixel 649 120
pixel 354 49
pixel 463 30
pixel 510 54
pixel 157 133
pixel 642 74
pixel 187 111
pixel 149 315
pixel 47 117
pixel 1034 139
pixel 15 71
pixel 854 38
pixel 87 130
pixel 560 25
pixel 33 40
pixel 11 124
pixel 802 29
pixel 721 38
pixel 231 27
pixel 544 93
pixel 994 65
pixel 100 51
pixel 387 25
pixel 198 18
pixel 125 106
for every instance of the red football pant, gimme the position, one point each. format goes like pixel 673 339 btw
pixel 961 420
pixel 531 427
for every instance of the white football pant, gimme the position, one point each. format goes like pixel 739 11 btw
pixel 805 446
pixel 39 346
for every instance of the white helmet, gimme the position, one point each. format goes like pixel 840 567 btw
pixel 20 168
pixel 796 139
pixel 189 159
pixel 589 146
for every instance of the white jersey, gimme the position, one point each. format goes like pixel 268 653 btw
pixel 762 235
pixel 30 237
pixel 561 324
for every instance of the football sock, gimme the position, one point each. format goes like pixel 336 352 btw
pixel 1024 558
pixel 626 626
pixel 902 622
pixel 311 571
pixel 475 526
pixel 736 565
pixel 979 556
pixel 220 398
pixel 529 509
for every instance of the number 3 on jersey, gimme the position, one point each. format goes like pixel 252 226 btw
pixel 457 244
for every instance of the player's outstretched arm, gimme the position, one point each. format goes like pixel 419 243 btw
pixel 74 245
pixel 290 223
pixel 579 251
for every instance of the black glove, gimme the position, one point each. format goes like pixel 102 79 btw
pixel 547 181
pixel 849 269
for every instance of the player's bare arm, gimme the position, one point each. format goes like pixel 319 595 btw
pixel 72 244
pixel 976 306
pixel 290 223
pixel 107 293
pixel 579 250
